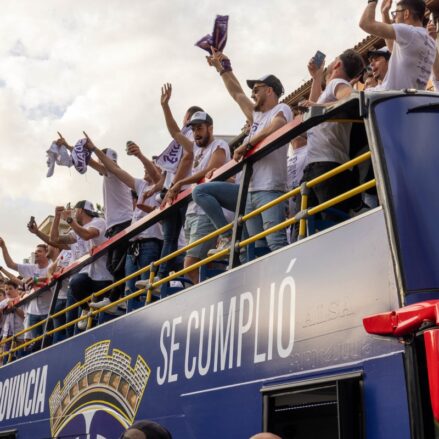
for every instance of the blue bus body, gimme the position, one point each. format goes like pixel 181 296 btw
pixel 278 338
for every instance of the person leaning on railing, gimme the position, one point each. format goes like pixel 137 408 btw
pixel 209 153
pixel 266 115
pixel 38 308
pixel 328 142
pixel 145 247
pixel 13 321
pixel 117 213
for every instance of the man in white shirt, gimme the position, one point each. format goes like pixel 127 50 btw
pixel 117 212
pixel 413 50
pixel 265 115
pixel 38 307
pixel 208 153
pixel 89 227
pixel 328 142
pixel 432 31
pixel 379 63
pixel 145 247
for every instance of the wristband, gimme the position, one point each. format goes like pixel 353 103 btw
pixel 248 147
pixel 372 1
pixel 226 65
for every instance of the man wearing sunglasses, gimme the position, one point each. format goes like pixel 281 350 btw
pixel 413 50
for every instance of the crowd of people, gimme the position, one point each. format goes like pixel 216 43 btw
pixel 408 61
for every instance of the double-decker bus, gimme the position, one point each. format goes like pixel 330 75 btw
pixel 333 336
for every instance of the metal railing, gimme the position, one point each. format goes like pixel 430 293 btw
pixel 300 217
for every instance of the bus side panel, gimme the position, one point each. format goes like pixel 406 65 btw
pixel 385 398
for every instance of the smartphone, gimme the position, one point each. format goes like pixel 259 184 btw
pixel 32 220
pixel 319 57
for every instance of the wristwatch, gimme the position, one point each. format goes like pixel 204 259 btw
pixel 69 220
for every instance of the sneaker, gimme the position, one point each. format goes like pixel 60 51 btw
pixel 224 243
pixel 82 325
pixel 122 306
pixel 146 284
pixel 98 305
pixel 104 302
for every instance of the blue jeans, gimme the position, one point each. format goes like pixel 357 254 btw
pixel 149 251
pixel 36 332
pixel 214 196
pixel 59 321
pixel 172 226
pixel 266 219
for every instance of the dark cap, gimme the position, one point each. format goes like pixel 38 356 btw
pixel 200 117
pixel 269 80
pixel 384 51
pixel 151 429
pixel 88 208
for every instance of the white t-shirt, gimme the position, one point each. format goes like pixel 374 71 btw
pixel 202 157
pixel 97 270
pixel 155 231
pixel 295 165
pixel 329 141
pixel 118 204
pixel 412 58
pixel 435 83
pixel 13 323
pixel 170 175
pixel 269 173
pixel 65 258
pixel 41 304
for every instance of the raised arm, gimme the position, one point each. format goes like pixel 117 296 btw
pixel 11 277
pixel 216 161
pixel 385 17
pixel 8 260
pixel 149 166
pixel 278 121
pixel 112 167
pixel 373 27
pixel 317 79
pixel 33 228
pixel 232 84
pixel 171 124
pixel 92 163
pixel 82 232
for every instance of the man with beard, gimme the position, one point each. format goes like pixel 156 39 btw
pixel 265 115
pixel 208 153
pixel 328 143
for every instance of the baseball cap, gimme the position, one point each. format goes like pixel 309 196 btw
pixel 269 80
pixel 200 117
pixel 151 429
pixel 88 207
pixel 384 51
pixel 111 154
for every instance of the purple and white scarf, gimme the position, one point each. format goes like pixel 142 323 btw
pixel 169 159
pixel 81 156
pixel 218 39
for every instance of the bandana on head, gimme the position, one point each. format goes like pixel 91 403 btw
pixel 218 39
pixel 81 156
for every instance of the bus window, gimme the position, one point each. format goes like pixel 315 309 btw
pixel 331 409
pixel 10 434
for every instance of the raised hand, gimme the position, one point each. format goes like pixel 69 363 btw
pixel 89 144
pixel 61 140
pixel 314 71
pixel 32 227
pixel 385 7
pixel 59 210
pixel 166 94
pixel 133 149
pixel 216 58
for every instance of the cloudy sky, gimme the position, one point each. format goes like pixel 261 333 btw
pixel 98 65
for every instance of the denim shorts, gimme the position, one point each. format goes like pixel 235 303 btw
pixel 195 227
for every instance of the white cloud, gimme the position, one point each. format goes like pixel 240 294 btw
pixel 68 66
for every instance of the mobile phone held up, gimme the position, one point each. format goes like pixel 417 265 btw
pixel 319 58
